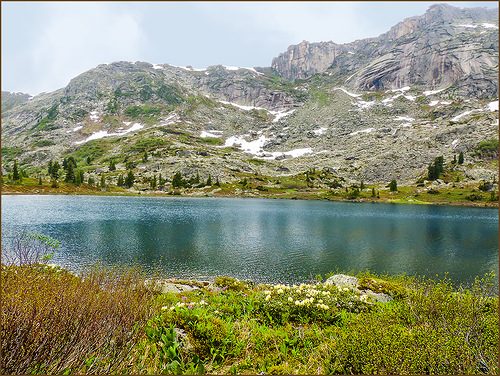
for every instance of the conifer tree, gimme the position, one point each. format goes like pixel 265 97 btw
pixel 120 182
pixel 15 172
pixel 130 179
pixel 177 180
pixel 461 158
pixel 393 185
pixel 103 181
pixel 70 173
pixel 209 180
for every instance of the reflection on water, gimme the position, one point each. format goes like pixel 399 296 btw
pixel 264 240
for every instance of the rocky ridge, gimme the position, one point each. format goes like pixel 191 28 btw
pixel 445 46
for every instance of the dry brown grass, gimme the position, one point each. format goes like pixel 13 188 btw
pixel 54 322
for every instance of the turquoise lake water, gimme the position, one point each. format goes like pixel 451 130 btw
pixel 259 239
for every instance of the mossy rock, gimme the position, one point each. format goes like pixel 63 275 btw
pixel 378 285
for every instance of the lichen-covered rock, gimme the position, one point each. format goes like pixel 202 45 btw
pixel 342 280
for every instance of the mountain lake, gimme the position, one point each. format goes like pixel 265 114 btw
pixel 263 240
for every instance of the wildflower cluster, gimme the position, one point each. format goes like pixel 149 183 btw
pixel 308 302
pixel 189 305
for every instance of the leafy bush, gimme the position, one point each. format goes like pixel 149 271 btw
pixel 230 283
pixel 474 197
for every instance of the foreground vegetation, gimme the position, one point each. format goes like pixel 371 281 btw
pixel 112 321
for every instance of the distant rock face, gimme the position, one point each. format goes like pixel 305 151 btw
pixel 445 46
pixel 305 59
pixel 10 100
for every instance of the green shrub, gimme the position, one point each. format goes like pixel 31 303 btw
pixel 230 283
pixel 54 322
pixel 145 110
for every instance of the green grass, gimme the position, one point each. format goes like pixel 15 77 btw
pixel 109 323
pixel 94 149
pixel 211 140
pixel 149 144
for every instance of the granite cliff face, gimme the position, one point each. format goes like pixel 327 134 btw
pixel 372 110
pixel 306 59
pixel 446 46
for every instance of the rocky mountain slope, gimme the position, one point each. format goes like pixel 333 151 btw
pixel 445 46
pixel 372 110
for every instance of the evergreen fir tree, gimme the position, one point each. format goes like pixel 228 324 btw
pixel 130 179
pixel 79 177
pixel 153 182
pixel 362 185
pixel 112 166
pixel 461 158
pixel 393 185
pixel 91 180
pixel 103 181
pixel 15 172
pixel 89 160
pixel 161 181
pixel 209 180
pixel 120 182
pixel 54 170
pixel 177 180
pixel 217 183
pixel 70 173
pixel 39 180
pixel 373 192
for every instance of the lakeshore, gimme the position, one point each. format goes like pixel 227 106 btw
pixel 114 322
pixel 468 196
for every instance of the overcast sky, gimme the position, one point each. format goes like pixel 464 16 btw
pixel 44 45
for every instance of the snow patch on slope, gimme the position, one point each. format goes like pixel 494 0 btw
pixel 102 134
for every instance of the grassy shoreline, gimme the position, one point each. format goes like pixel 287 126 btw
pixel 405 195
pixel 110 321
